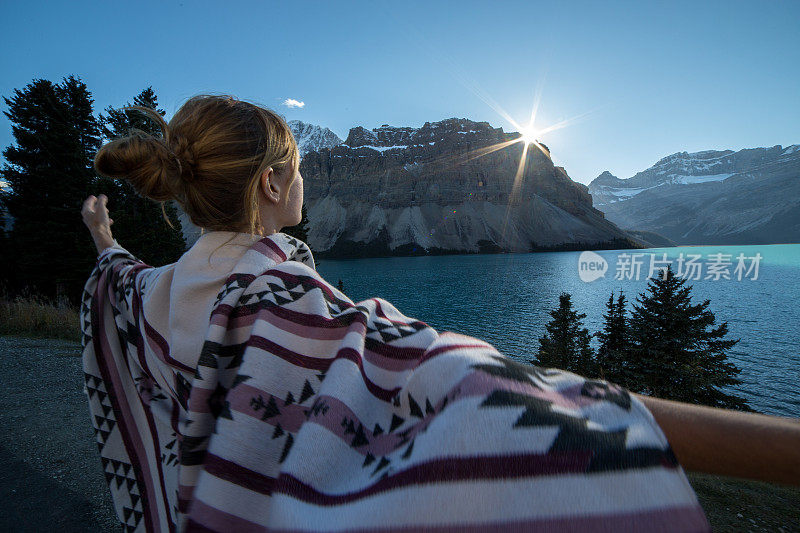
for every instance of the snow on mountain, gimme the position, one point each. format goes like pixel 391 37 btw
pixel 685 168
pixel 311 138
pixel 713 197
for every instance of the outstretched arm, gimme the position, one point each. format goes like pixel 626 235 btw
pixel 95 216
pixel 730 443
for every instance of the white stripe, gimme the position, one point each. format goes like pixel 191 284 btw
pixel 492 501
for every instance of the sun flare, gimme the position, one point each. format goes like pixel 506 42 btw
pixel 529 134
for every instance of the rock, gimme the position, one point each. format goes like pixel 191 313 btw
pixel 398 188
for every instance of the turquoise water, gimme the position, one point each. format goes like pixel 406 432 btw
pixel 505 298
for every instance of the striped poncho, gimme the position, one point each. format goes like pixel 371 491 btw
pixel 310 412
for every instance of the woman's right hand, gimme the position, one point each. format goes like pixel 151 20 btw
pixel 95 216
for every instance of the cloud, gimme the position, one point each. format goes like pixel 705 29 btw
pixel 291 102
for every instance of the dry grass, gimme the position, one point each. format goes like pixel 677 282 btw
pixel 34 316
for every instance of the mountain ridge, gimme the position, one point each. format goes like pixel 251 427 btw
pixel 310 137
pixel 749 196
pixel 400 190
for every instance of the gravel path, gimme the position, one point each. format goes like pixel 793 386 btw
pixel 50 476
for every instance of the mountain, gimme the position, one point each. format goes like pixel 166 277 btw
pixel 311 138
pixel 401 190
pixel 714 197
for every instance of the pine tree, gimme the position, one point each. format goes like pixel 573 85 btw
pixel 139 222
pixel 49 171
pixel 566 343
pixel 300 231
pixel 677 351
pixel 614 342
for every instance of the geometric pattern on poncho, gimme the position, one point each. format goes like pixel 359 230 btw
pixel 305 407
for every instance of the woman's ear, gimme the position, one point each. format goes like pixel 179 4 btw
pixel 269 185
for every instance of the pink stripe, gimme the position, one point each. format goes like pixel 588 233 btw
pixel 309 320
pixel 335 411
pixel 482 384
pixel 198 400
pixel 291 417
pixel 319 327
pixel 184 497
pixel 269 249
pixel 446 470
pixel 389 363
pixel 238 475
pixel 221 314
pixel 351 355
pixel 395 352
pixel 450 347
pixel 303 361
pixel 303 319
pixel 269 314
pixel 317 363
pixel 684 519
pixel 408 356
pixel 216 520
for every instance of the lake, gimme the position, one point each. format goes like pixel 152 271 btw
pixel 505 299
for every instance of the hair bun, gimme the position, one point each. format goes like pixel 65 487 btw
pixel 143 160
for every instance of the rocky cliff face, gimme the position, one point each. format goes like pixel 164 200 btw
pixel 400 189
pixel 714 197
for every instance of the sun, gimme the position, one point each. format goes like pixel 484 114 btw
pixel 529 134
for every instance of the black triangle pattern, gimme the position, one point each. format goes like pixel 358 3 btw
pixel 383 463
pixel 414 407
pixel 286 447
pixel 118 474
pixel 105 423
pixel 307 393
pixel 386 331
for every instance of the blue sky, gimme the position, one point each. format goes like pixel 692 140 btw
pixel 647 79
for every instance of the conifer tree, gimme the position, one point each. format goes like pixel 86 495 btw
pixel 49 172
pixel 566 343
pixel 614 342
pixel 139 223
pixel 677 350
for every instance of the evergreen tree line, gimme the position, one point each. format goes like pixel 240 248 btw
pixel 666 346
pixel 46 249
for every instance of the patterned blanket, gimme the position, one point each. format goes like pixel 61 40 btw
pixel 310 412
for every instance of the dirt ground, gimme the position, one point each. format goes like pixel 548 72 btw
pixel 51 478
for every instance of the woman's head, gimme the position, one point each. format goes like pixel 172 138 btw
pixel 231 165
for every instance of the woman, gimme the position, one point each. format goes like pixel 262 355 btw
pixel 237 390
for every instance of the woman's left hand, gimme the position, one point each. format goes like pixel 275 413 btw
pixel 95 216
